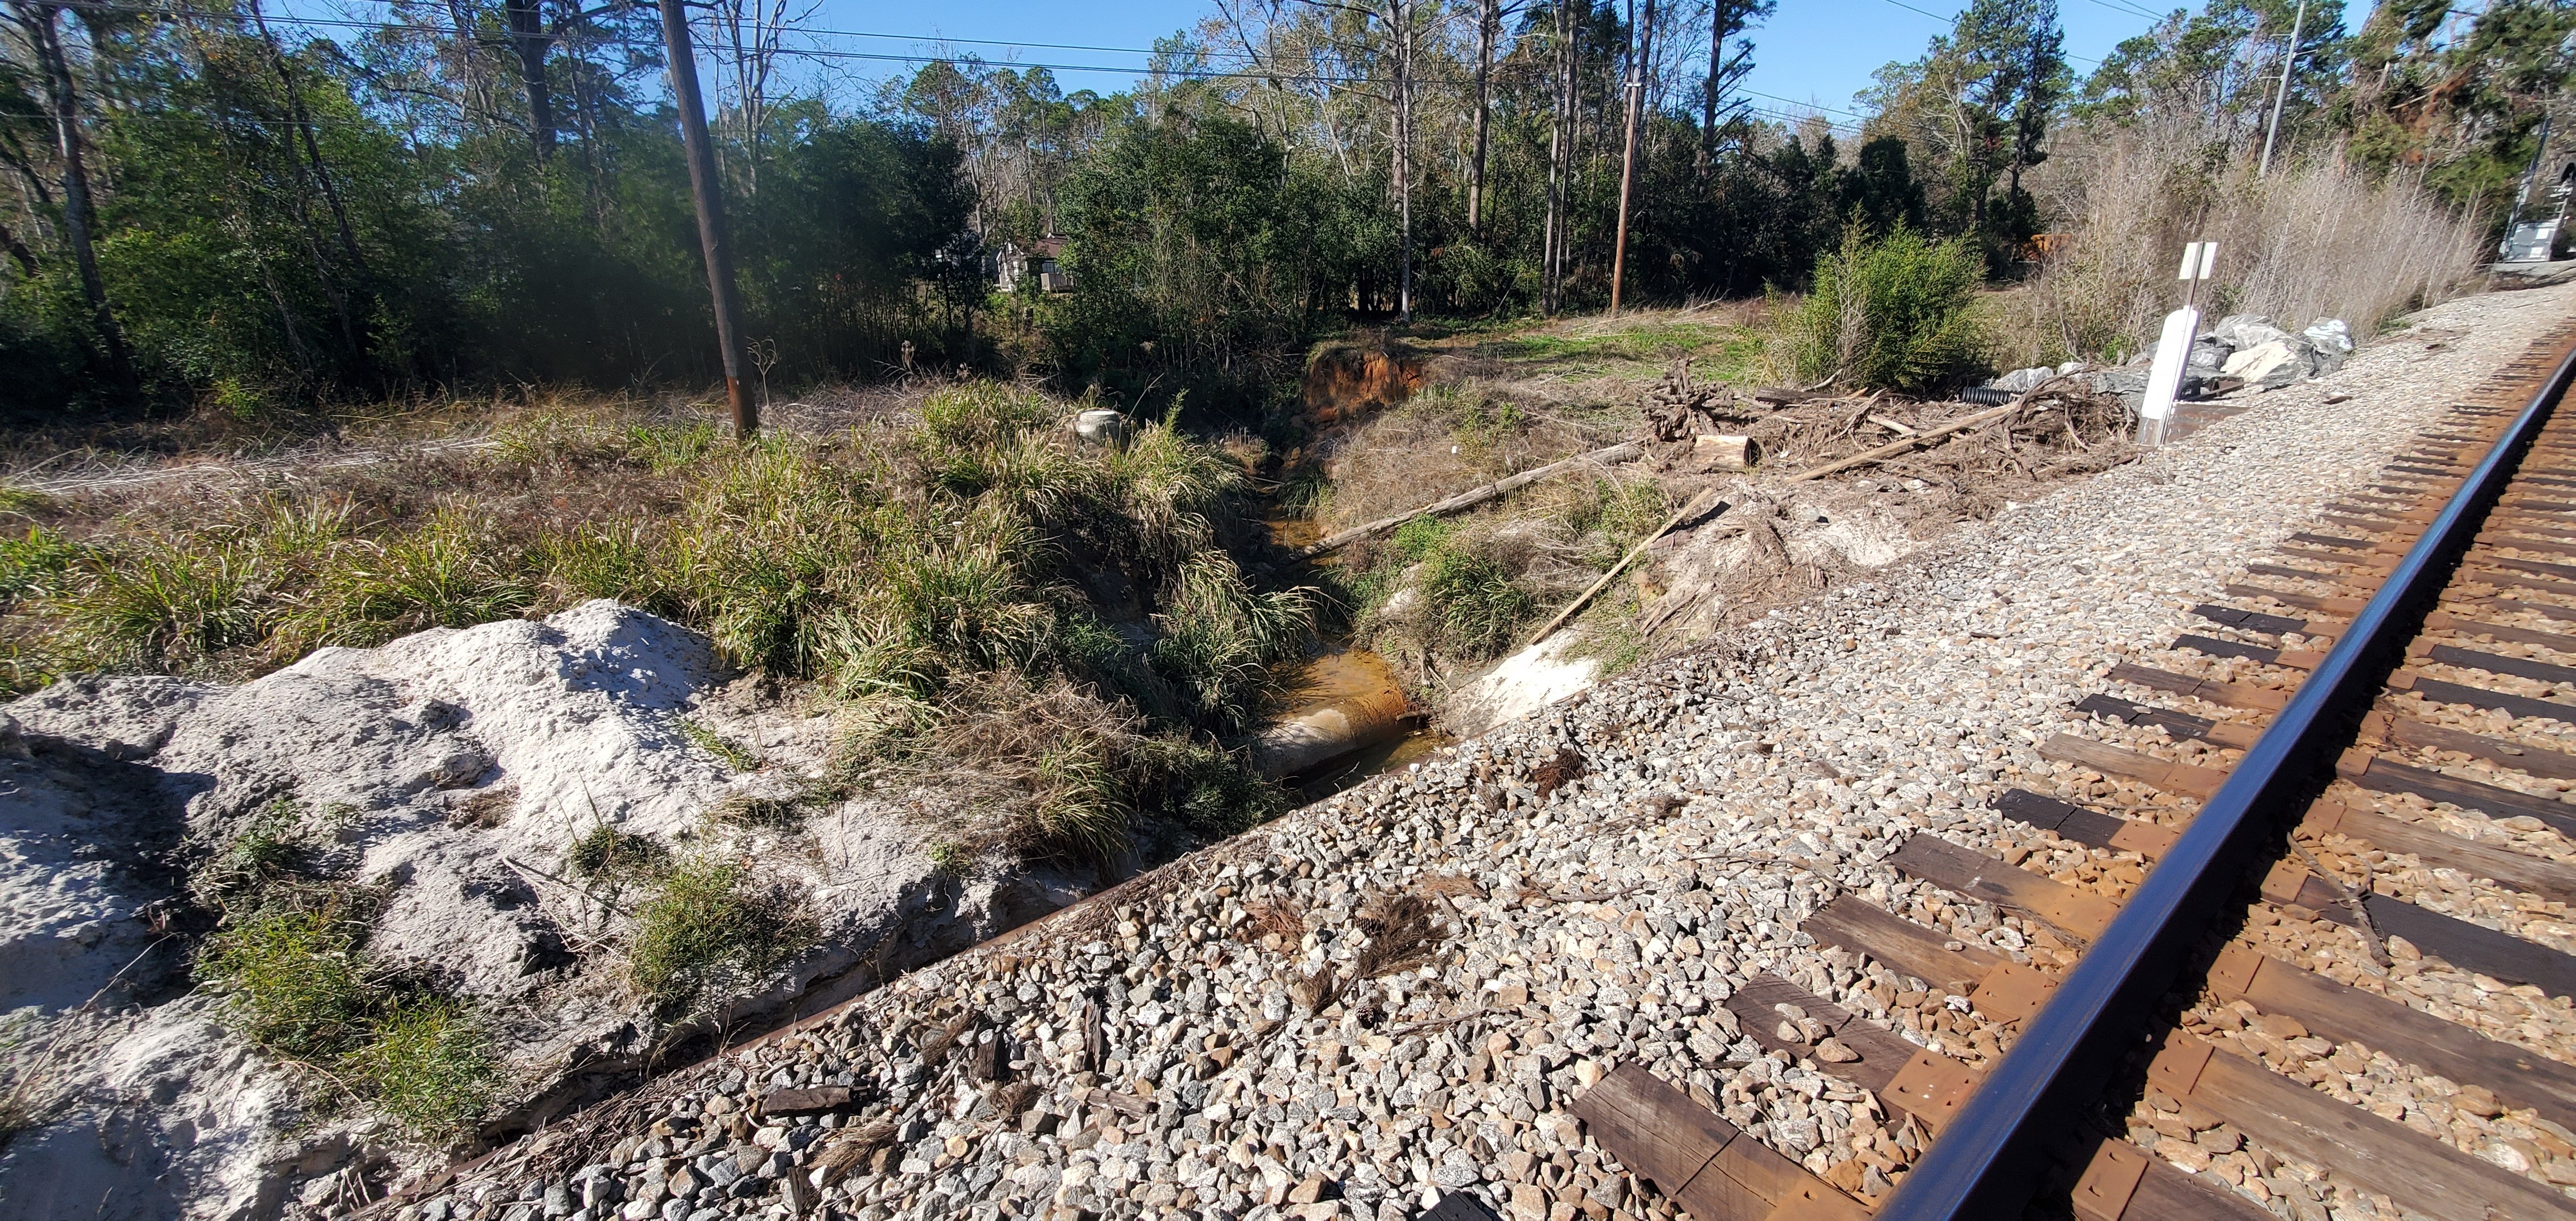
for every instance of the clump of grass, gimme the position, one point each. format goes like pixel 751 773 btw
pixel 268 849
pixel 1894 312
pixel 456 570
pixel 664 448
pixel 605 853
pixel 163 604
pixel 35 564
pixel 1474 603
pixel 734 754
pixel 426 1065
pixel 710 928
pixel 290 958
pixel 951 857
pixel 296 977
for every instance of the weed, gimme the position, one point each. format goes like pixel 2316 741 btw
pixel 454 571
pixel 774 813
pixel 734 754
pixel 1080 806
pixel 1220 638
pixel 1479 429
pixel 1477 607
pixel 267 849
pixel 604 852
pixel 950 857
pixel 605 560
pixel 295 977
pixel 711 927
pixel 1896 312
pixel 163 603
pixel 36 565
pixel 15 499
pixel 1307 492
pixel 664 448
pixel 1417 539
pixel 427 1064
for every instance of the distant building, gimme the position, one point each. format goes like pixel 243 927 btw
pixel 1037 259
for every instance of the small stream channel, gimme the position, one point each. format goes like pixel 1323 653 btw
pixel 1346 716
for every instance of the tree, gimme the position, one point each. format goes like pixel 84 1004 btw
pixel 1730 60
pixel 39 24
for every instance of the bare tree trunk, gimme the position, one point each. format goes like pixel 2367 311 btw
pixel 1640 46
pixel 79 216
pixel 1489 21
pixel 1403 10
pixel 1708 96
pixel 354 335
pixel 528 38
pixel 1560 143
pixel 708 191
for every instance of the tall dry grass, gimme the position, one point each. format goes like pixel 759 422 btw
pixel 2317 239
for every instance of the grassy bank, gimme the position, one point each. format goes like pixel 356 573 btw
pixel 942 571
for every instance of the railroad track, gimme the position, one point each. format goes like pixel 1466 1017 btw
pixel 2388 702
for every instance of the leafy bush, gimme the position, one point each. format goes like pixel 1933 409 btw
pixel 1895 312
pixel 711 927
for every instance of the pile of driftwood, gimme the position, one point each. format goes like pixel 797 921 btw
pixel 2058 427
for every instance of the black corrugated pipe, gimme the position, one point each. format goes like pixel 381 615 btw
pixel 1986 396
pixel 1993 1154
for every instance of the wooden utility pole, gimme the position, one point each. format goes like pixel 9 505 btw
pixel 2282 94
pixel 709 191
pixel 1637 48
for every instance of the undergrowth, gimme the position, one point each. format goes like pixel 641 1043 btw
pixel 886 564
pixel 1440 594
pixel 712 928
pixel 289 954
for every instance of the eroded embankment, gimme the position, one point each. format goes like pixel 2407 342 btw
pixel 1394 994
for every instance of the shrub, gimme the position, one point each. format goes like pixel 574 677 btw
pixel 1895 312
pixel 711 927
pixel 427 1064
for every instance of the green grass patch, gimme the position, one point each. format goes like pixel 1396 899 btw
pixel 711 928
pixel 1645 341
pixel 425 1064
pixel 296 976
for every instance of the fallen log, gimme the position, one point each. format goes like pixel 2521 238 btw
pixel 1698 504
pixel 1622 452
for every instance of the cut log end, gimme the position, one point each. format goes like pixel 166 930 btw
pixel 1725 452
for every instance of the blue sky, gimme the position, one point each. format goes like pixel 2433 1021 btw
pixel 1818 52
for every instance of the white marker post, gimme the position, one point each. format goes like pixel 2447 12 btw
pixel 2173 348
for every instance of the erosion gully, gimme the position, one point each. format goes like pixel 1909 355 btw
pixel 2397 603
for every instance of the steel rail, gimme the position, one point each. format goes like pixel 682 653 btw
pixel 1993 1155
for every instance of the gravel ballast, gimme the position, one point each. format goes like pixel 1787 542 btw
pixel 1395 994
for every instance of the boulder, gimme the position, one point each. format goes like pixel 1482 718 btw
pixel 2271 364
